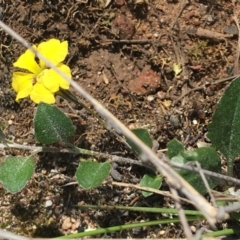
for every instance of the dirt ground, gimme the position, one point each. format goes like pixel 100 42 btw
pixel 122 52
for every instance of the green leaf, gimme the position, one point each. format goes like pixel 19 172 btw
pixel 224 130
pixel 51 125
pixel 91 174
pixel 174 148
pixel 143 135
pixel 208 159
pixel 151 182
pixel 15 172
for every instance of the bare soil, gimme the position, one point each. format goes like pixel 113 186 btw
pixel 123 54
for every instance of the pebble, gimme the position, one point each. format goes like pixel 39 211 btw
pixel 174 120
pixel 67 224
pixel 119 2
pixel 150 98
pixel 116 199
pixel 193 229
pixel 48 203
pixel 123 26
pixel 161 232
pixel 194 122
pixel 145 83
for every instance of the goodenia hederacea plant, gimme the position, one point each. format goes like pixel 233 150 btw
pixel 224 130
pixel 207 157
pixel 38 80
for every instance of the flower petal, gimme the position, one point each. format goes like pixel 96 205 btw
pixel 27 61
pixel 41 94
pixel 52 80
pixel 61 81
pixel 53 50
pixel 22 84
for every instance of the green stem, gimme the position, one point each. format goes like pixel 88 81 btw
pixel 126 226
pixel 141 209
pixel 224 232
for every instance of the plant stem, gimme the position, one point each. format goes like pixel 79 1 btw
pixel 124 227
pixel 142 209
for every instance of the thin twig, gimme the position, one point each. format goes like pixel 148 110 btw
pixel 129 185
pixel 181 214
pixel 206 183
pixel 183 5
pixel 164 193
pixel 114 158
pixel 204 85
pixel 130 41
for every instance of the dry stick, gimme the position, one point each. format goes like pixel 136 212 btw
pixel 146 153
pixel 206 184
pixel 182 215
pixel 204 85
pixel 236 69
pixel 164 193
pixel 8 235
pixel 183 5
pixel 115 158
pixel 132 41
pixel 129 185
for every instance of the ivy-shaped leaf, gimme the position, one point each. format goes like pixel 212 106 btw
pixel 151 182
pixel 208 159
pixel 174 148
pixel 15 172
pixel 91 174
pixel 143 135
pixel 51 125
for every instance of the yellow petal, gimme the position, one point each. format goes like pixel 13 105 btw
pixel 27 61
pixel 61 81
pixel 41 94
pixel 22 84
pixel 52 80
pixel 47 80
pixel 53 50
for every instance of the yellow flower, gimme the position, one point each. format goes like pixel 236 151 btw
pixel 39 81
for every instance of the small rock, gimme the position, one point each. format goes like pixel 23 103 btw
pixel 150 98
pixel 119 2
pixel 67 224
pixel 193 229
pixel 123 27
pixel 116 199
pixel 195 122
pixel 232 29
pixel 174 120
pixel 146 83
pixel 75 225
pixel 148 35
pixel 48 203
pixel 161 94
pixel 161 232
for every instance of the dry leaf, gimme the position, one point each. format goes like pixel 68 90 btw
pixel 177 68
